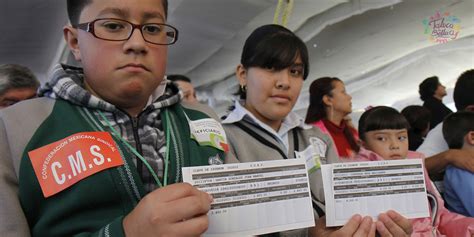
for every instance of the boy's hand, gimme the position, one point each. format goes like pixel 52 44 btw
pixel 393 224
pixel 174 210
pixel 356 227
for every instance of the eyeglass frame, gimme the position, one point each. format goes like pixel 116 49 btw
pixel 89 27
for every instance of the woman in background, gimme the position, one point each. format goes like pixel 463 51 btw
pixel 329 105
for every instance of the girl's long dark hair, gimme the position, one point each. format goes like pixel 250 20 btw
pixel 317 90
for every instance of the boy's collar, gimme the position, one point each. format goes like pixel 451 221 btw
pixel 160 90
pixel 67 82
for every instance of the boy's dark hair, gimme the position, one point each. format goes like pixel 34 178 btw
pixel 14 76
pixel 273 46
pixel 379 118
pixel 178 77
pixel 428 87
pixel 456 126
pixel 418 117
pixel 463 90
pixel 75 7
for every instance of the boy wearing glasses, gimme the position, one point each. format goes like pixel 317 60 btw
pixel 100 152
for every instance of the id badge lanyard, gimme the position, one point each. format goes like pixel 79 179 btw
pixel 136 153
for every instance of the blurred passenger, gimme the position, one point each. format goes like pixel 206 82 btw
pixel 419 119
pixel 434 145
pixel 432 93
pixel 184 84
pixel 17 83
pixel 329 106
pixel 458 131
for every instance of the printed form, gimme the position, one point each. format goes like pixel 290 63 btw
pixel 370 188
pixel 255 198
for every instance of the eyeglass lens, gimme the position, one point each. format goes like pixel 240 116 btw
pixel 112 29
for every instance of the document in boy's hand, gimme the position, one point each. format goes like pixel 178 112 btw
pixel 255 198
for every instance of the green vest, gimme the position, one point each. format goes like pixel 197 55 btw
pixel 96 205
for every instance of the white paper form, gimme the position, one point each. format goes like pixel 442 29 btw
pixel 370 188
pixel 255 198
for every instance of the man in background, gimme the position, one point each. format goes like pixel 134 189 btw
pixel 436 149
pixel 184 84
pixel 432 93
pixel 17 83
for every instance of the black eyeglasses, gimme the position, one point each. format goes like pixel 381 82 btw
pixel 120 30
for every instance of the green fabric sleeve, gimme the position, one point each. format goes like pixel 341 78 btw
pixel 113 229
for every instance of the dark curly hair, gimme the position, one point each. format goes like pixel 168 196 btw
pixel 428 87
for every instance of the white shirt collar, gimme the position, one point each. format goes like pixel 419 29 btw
pixel 292 120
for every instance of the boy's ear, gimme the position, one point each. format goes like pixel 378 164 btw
pixel 327 100
pixel 469 139
pixel 70 35
pixel 241 74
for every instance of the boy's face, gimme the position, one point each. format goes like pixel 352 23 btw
pixel 124 73
pixel 390 144
pixel 469 141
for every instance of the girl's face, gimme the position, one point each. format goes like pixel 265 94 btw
pixel 339 99
pixel 390 144
pixel 271 94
